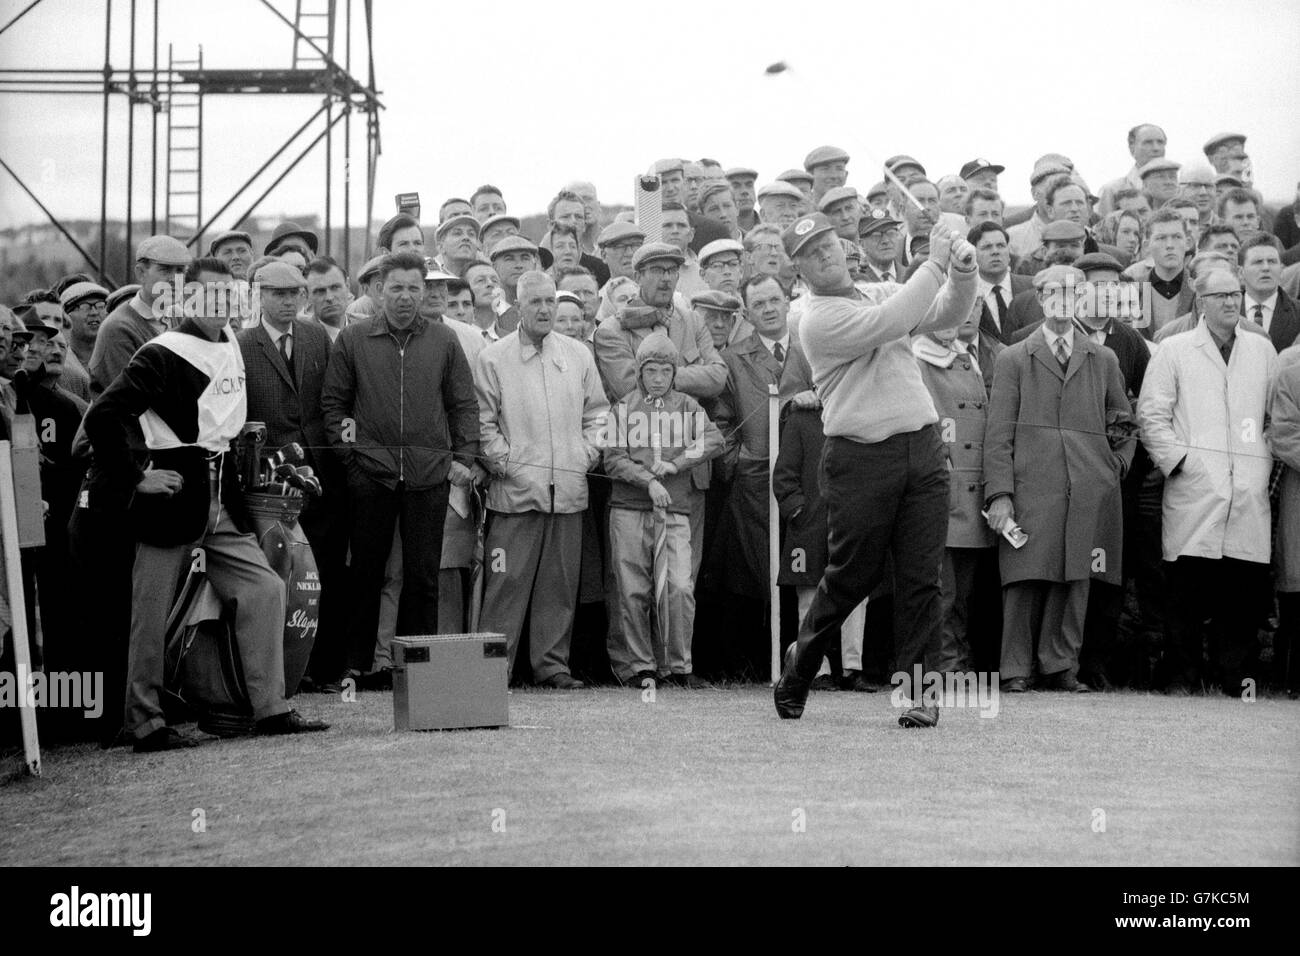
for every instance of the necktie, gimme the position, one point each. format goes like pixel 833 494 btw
pixel 285 354
pixel 1061 356
pixel 1259 313
pixel 1002 305
pixel 779 353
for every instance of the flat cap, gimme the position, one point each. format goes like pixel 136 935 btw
pixel 879 189
pixel 1160 165
pixel 979 166
pixel 500 217
pixel 657 250
pixel 164 249
pixel 803 230
pixel 824 154
pixel 1196 174
pixel 796 176
pixel 711 188
pixel 1062 230
pixel 228 236
pixel 1227 179
pixel 1222 139
pixel 1057 275
pixel 369 270
pixel 719 246
pixel 460 219
pixel 838 194
pixel 620 231
pixel 290 230
pixel 901 161
pixel 739 171
pixel 780 188
pixel 1098 261
pixel 1043 170
pixel 120 295
pixel 662 166
pixel 875 221
pixel 717 301
pixel 512 244
pixel 279 275
pixel 79 292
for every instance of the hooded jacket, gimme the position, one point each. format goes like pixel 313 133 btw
pixel 686 437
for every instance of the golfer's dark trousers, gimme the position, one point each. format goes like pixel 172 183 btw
pixel 1234 597
pixel 886 497
pixel 376 510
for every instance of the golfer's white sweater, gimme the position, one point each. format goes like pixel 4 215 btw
pixel 859 346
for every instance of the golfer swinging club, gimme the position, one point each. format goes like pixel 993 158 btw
pixel 885 467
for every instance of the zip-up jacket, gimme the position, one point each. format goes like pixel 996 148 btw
pixel 399 404
pixel 541 411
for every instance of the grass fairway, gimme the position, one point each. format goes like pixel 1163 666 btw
pixel 599 776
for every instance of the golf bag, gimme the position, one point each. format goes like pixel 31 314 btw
pixel 204 676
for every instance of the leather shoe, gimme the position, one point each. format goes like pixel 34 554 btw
pixel 790 693
pixel 1069 683
pixel 290 722
pixel 824 682
pixel 639 682
pixel 859 682
pixel 920 717
pixel 164 738
pixel 1015 685
pixel 563 681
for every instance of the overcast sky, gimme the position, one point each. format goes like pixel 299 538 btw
pixel 530 96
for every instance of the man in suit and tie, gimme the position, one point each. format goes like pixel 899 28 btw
pixel 1107 296
pixel 284 365
pixel 771 355
pixel 996 285
pixel 1058 403
pixel 1062 245
pixel 1266 304
pixel 1102 304
pixel 880 239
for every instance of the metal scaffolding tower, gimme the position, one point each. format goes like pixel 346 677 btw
pixel 175 93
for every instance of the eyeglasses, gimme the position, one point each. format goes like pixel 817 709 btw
pixel 91 306
pixel 881 234
pixel 723 264
pixel 660 272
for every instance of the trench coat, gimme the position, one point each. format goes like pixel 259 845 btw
pixel 1059 443
pixel 1210 416
pixel 957 387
